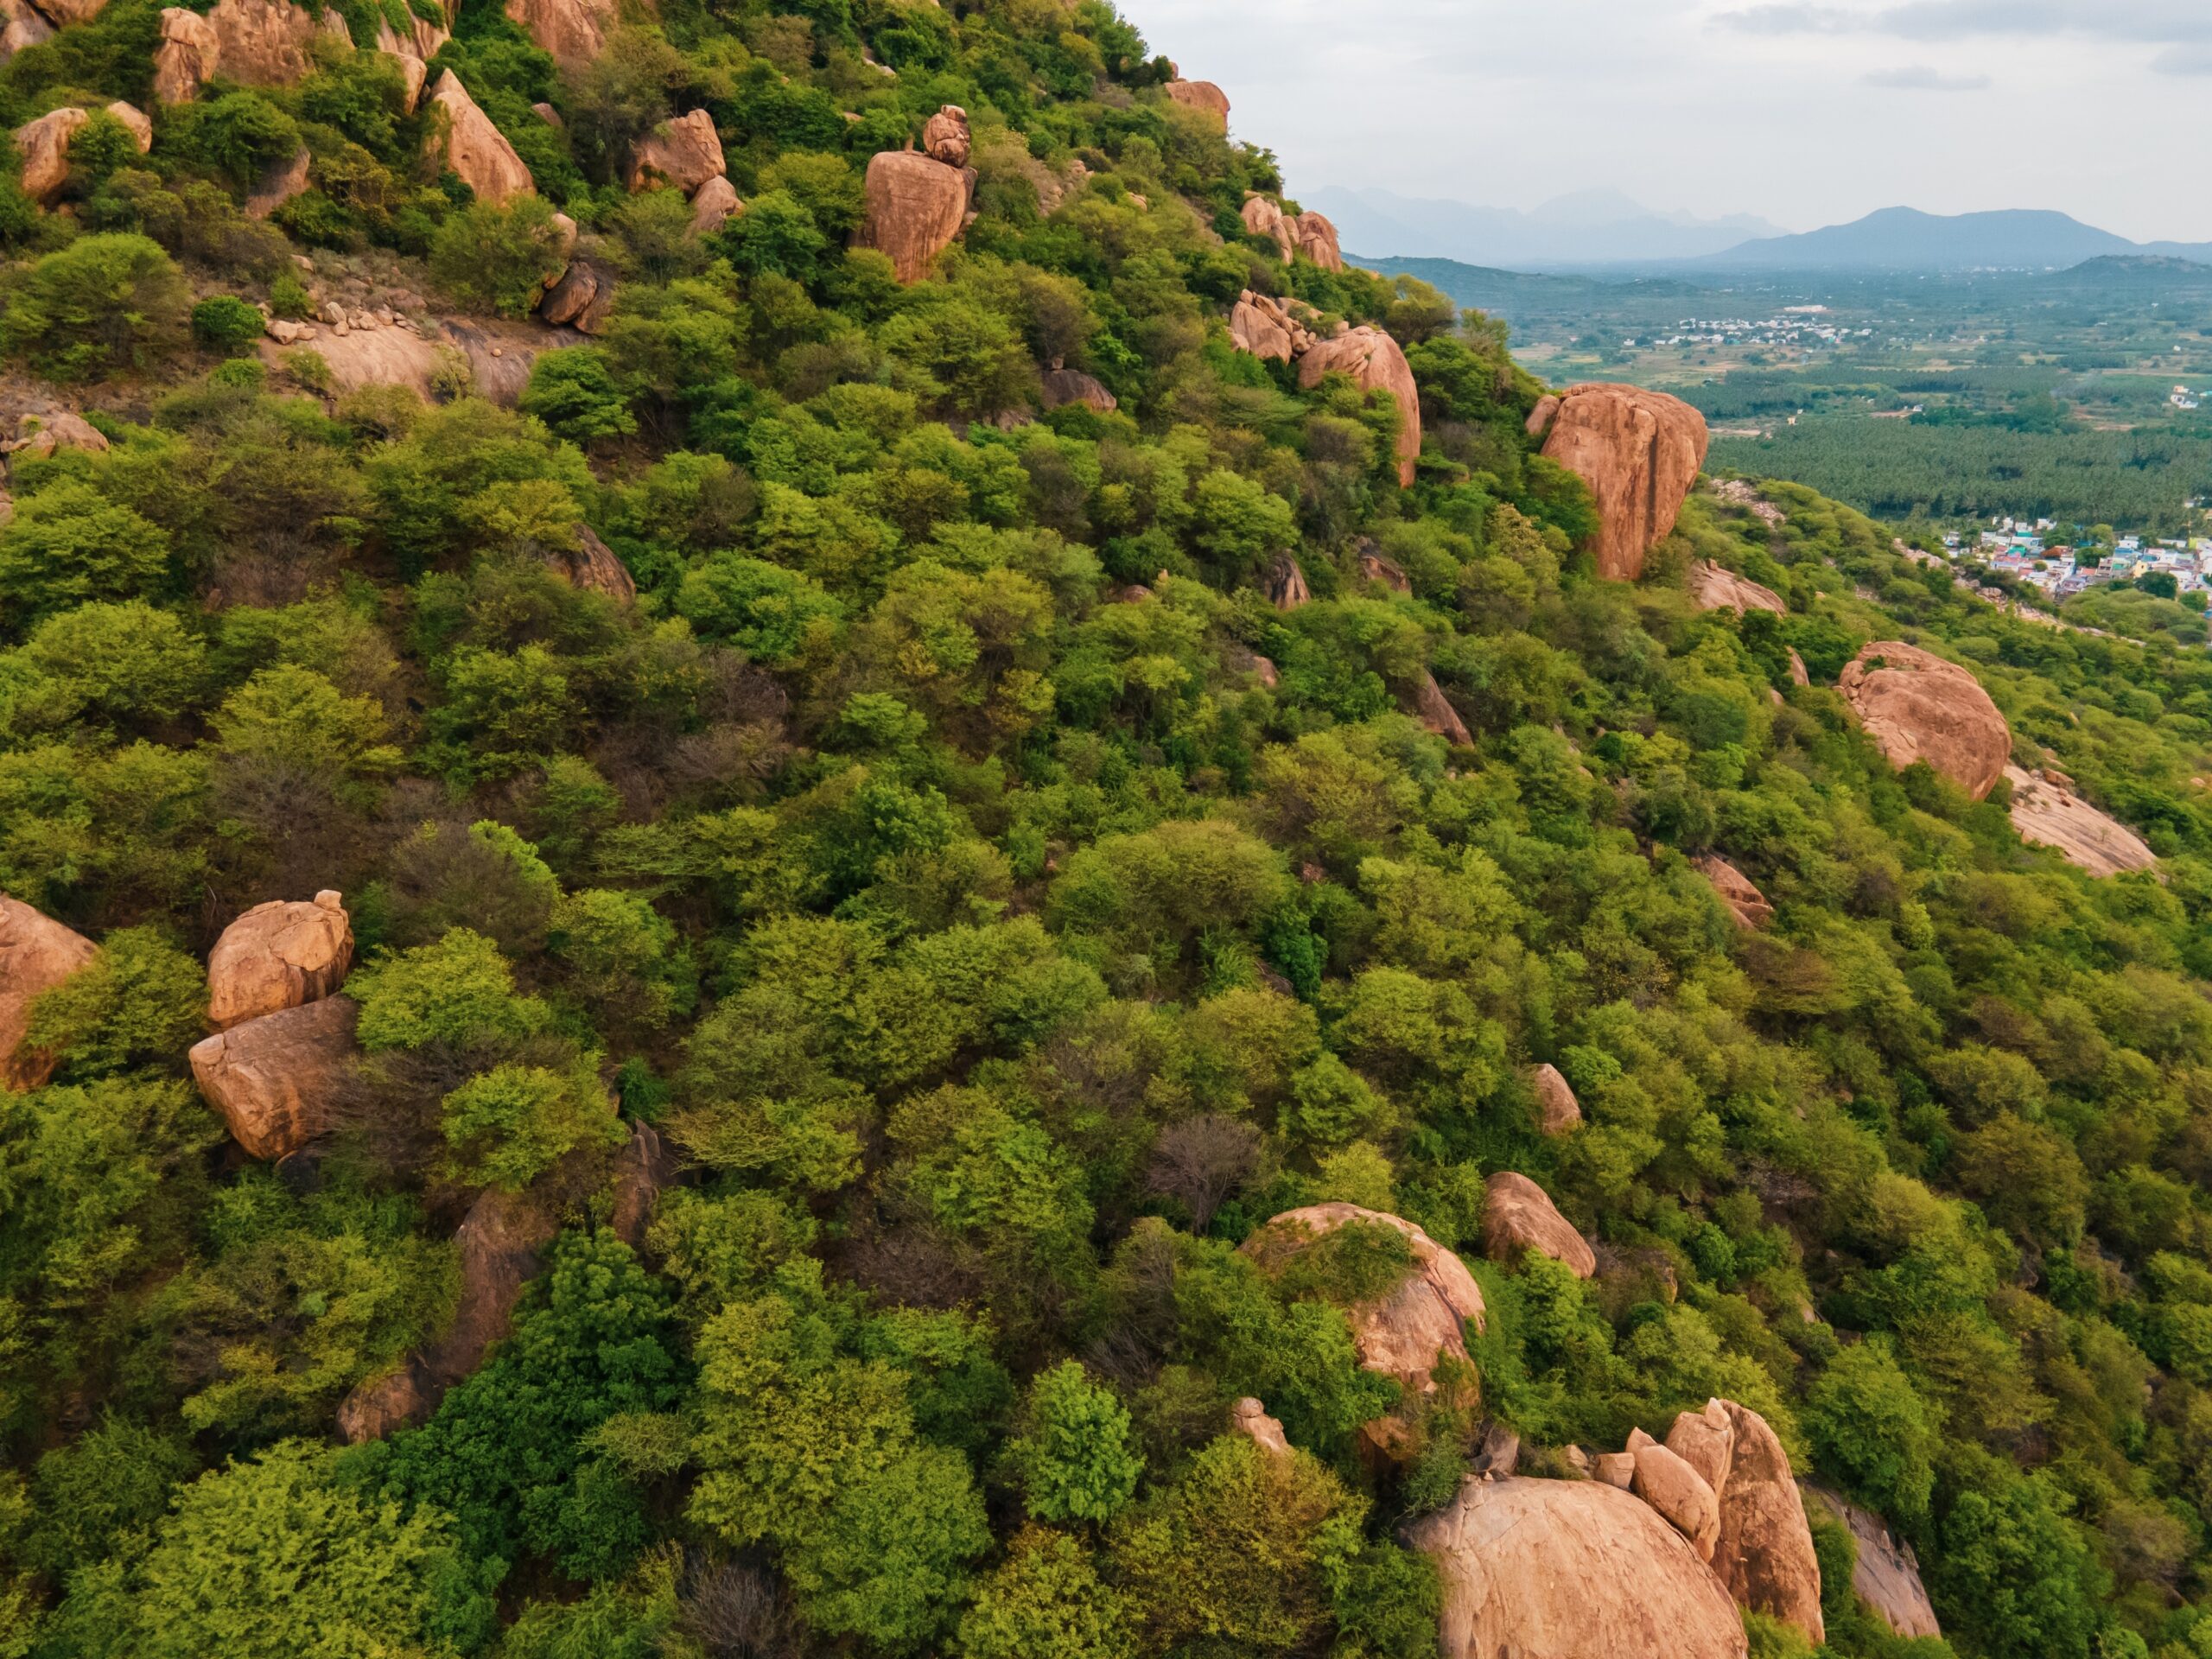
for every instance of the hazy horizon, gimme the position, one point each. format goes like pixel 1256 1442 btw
pixel 1805 115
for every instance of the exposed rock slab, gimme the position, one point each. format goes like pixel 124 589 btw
pixel 1640 453
pixel 279 955
pixel 685 152
pixel 1746 904
pixel 1066 386
pixel 1707 1442
pixel 280 184
pixel 1765 1554
pixel 1286 584
pixel 21 25
pixel 500 354
pixel 1887 1577
pixel 1375 362
pixel 477 151
pixel 1560 1569
pixel 187 57
pixel 1518 1215
pixel 275 1079
pixel 36 954
pixel 1268 327
pixel 1434 711
pixel 1918 706
pixel 1558 1112
pixel 581 298
pixel 266 42
pixel 645 1169
pixel 712 204
pixel 2047 813
pixel 44 144
pixel 1680 1495
pixel 595 565
pixel 1714 588
pixel 1403 1334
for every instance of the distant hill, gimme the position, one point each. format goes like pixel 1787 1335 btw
pixel 1524 295
pixel 1592 227
pixel 1904 238
pixel 2131 270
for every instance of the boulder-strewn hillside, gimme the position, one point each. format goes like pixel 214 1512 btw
pixel 801 855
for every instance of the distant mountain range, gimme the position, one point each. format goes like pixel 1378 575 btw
pixel 1904 238
pixel 1604 231
pixel 1593 227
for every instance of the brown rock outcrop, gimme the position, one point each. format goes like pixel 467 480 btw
pixel 1065 386
pixel 1681 1495
pixel 581 298
pixel 1542 416
pixel 1765 1555
pixel 1373 567
pixel 21 25
pixel 946 136
pixel 1286 584
pixel 135 122
pixel 1707 1442
pixel 44 144
pixel 1248 1417
pixel 916 206
pixel 1268 327
pixel 712 204
pixel 685 152
pixel 280 184
pixel 1202 95
pixel 1712 589
pixel 1434 711
pixel 1918 706
pixel 1404 1333
pixel 400 356
pixel 279 955
pixel 477 151
pixel 1745 901
pixel 1375 363
pixel 187 56
pixel 1558 1112
pixel 2047 813
pixel 1572 1569
pixel 1887 1577
pixel 36 954
pixel 274 1079
pixel 38 436
pixel 498 1242
pixel 644 1171
pixel 594 565
pixel 1639 452
pixel 574 31
pixel 1263 216
pixel 1518 1215
pixel 264 42
pixel 1316 236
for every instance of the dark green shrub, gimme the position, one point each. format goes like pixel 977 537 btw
pixel 227 324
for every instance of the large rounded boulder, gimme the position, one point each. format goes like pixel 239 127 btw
pixel 1572 1569
pixel 1918 706
pixel 916 206
pixel 1518 1215
pixel 277 956
pixel 1640 453
pixel 275 1080
pixel 1403 1333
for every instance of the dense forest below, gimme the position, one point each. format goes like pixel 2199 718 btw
pixel 776 890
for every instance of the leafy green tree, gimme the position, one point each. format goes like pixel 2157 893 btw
pixel 140 1001
pixel 68 544
pixel 103 304
pixel 226 324
pixel 273 1556
pixel 1072 1456
pixel 2014 1570
pixel 495 257
pixel 507 1127
pixel 575 393
pixel 1869 1424
pixel 1046 1596
pixel 459 992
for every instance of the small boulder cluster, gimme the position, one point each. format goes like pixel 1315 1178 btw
pixel 1284 331
pixel 1309 234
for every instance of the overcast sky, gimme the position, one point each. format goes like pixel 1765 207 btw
pixel 1809 114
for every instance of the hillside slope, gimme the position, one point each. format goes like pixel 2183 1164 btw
pixel 827 864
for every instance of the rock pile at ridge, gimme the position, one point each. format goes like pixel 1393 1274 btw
pixel 1375 362
pixel 2046 813
pixel 1640 453
pixel 1310 234
pixel 275 1079
pixel 1714 588
pixel 1406 1332
pixel 1518 1215
pixel 279 956
pixel 1572 1569
pixel 916 206
pixel 1918 706
pixel 36 954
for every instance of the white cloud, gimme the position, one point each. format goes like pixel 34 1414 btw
pixel 1918 77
